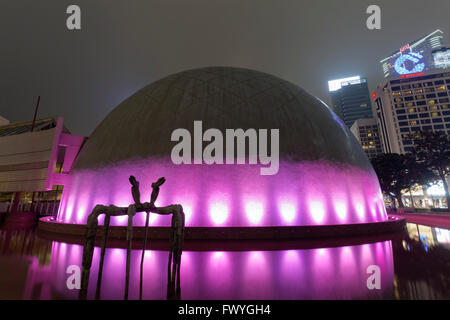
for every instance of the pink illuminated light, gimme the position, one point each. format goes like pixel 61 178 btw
pixel 254 211
pixel 340 207
pixel 317 211
pixel 359 207
pixel 288 212
pixel 219 213
pixel 301 193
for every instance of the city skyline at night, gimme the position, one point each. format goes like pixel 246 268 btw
pixel 225 156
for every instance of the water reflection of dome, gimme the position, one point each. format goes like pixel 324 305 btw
pixel 319 273
pixel 324 176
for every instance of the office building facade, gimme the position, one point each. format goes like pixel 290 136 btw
pixel 366 132
pixel 405 105
pixel 350 99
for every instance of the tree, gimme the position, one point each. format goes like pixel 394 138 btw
pixel 393 171
pixel 417 174
pixel 432 151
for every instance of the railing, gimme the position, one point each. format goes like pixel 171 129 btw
pixel 43 208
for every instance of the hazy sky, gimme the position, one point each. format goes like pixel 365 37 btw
pixel 126 44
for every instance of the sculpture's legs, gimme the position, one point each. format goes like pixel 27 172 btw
pixel 102 255
pixel 131 213
pixel 88 250
pixel 143 254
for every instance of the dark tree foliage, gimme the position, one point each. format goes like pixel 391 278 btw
pixel 432 151
pixel 393 173
pixel 397 172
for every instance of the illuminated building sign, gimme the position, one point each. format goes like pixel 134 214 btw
pixel 409 63
pixel 414 57
pixel 412 75
pixel 442 58
pixel 337 84
pixel 402 49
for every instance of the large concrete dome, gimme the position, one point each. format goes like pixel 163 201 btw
pixel 324 177
pixel 222 97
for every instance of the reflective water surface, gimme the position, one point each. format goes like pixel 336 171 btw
pixel 412 265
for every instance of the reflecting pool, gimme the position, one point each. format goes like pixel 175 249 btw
pixel 414 264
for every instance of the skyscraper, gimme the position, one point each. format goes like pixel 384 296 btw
pixel 407 105
pixel 350 99
pixel 415 94
pixel 367 133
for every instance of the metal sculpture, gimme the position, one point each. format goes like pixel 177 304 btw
pixel 175 244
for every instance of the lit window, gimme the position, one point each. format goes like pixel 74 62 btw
pixel 369 135
pixel 431 102
pixel 441 88
pixel 433 107
pixel 410 104
pixel 411 110
pixel 418 91
pixel 413 123
pixel 434 114
pixel 395 94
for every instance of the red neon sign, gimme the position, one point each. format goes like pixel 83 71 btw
pixel 374 96
pixel 412 75
pixel 404 48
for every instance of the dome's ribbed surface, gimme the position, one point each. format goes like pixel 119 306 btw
pixel 223 98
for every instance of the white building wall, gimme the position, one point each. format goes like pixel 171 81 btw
pixel 3 121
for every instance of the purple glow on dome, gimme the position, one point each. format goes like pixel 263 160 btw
pixel 303 193
pixel 254 211
pixel 288 211
pixel 218 212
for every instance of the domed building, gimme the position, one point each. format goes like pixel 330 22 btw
pixel 321 175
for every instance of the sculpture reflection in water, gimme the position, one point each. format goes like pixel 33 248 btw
pixel 173 277
pixel 175 245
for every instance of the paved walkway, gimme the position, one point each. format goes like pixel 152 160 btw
pixel 428 219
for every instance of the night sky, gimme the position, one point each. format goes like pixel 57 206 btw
pixel 124 45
